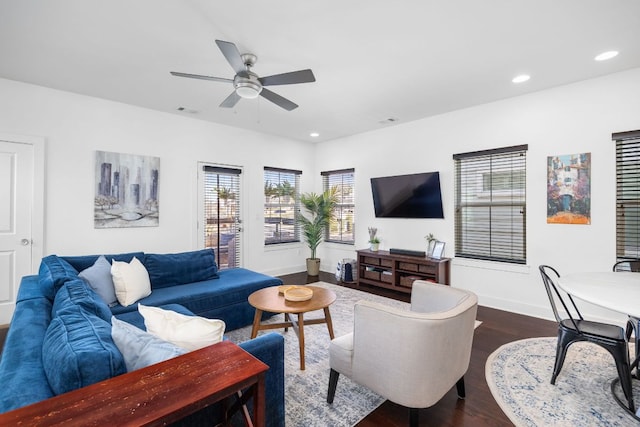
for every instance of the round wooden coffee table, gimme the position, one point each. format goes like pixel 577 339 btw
pixel 268 299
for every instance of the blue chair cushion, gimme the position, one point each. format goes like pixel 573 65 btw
pixel 54 272
pixel 78 351
pixel 77 292
pixel 177 269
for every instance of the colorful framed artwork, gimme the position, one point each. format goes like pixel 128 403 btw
pixel 569 189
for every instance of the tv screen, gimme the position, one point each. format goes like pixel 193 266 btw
pixel 407 196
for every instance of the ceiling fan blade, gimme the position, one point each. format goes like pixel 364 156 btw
pixel 302 76
pixel 197 76
pixel 230 51
pixel 231 100
pixel 278 100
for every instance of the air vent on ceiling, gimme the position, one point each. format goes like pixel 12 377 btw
pixel 187 110
pixel 388 121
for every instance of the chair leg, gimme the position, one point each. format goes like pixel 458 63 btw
pixel 621 355
pixel 636 331
pixel 333 383
pixel 413 417
pixel 460 387
pixel 565 339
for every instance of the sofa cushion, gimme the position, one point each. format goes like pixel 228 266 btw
pixel 225 298
pixel 22 377
pixel 188 332
pixel 98 277
pixel 54 272
pixel 77 292
pixel 78 351
pixel 131 281
pixel 140 348
pixel 177 269
pixel 82 262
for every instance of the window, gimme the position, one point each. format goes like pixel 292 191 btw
pixel 341 227
pixel 220 213
pixel 627 194
pixel 490 197
pixel 281 190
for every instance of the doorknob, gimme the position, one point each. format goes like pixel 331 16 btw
pixel 25 242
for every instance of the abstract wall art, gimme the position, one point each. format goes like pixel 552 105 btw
pixel 126 190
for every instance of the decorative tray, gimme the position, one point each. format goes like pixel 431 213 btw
pixel 283 288
pixel 298 293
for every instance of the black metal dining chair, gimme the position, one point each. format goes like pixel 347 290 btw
pixel 574 328
pixel 633 323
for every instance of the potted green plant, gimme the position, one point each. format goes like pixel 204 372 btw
pixel 319 209
pixel 374 242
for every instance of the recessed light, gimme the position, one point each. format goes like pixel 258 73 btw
pixel 606 55
pixel 521 78
pixel 314 134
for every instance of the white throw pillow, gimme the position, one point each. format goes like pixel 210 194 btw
pixel 188 332
pixel 130 280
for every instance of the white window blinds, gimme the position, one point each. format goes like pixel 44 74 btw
pixel 281 191
pixel 490 211
pixel 627 194
pixel 222 214
pixel 342 226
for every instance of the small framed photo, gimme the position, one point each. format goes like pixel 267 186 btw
pixel 438 250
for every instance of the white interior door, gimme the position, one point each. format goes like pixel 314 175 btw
pixel 16 199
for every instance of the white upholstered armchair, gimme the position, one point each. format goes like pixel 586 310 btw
pixel 412 358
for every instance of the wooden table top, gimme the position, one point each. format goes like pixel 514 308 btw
pixel 268 299
pixel 156 395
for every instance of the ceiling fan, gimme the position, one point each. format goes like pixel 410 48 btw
pixel 247 84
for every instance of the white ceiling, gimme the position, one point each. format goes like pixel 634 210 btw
pixel 372 59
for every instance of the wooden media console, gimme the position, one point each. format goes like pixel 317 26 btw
pixel 397 272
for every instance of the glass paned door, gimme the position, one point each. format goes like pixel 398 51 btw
pixel 220 213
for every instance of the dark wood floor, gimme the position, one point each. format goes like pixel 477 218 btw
pixel 479 408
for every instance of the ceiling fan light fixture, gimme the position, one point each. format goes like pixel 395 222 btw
pixel 247 87
pixel 248 91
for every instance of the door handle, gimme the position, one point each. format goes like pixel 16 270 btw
pixel 25 242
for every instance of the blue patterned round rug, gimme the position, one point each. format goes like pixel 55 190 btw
pixel 519 374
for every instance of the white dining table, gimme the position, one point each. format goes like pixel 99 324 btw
pixel 617 291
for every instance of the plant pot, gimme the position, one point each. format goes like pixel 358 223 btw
pixel 375 246
pixel 313 266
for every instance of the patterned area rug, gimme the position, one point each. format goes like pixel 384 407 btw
pixel 519 374
pixel 306 391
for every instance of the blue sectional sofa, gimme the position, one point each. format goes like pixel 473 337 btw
pixel 60 335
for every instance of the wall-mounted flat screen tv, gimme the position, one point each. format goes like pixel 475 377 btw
pixel 407 196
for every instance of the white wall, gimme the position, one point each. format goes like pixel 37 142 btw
pixel 566 120
pixel 571 119
pixel 75 126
